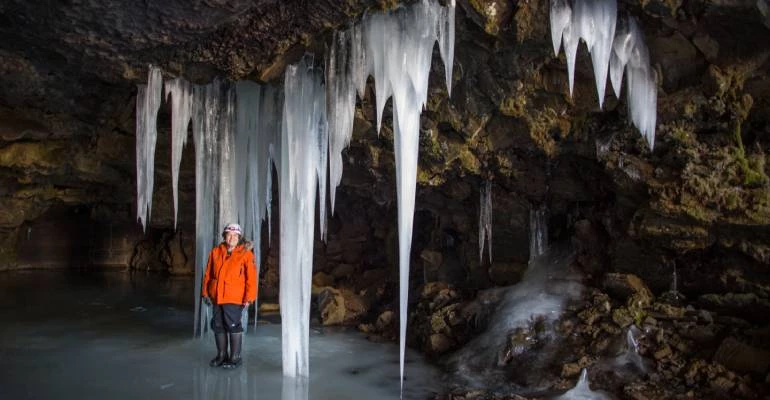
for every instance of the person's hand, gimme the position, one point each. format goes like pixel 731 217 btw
pixel 246 304
pixel 207 301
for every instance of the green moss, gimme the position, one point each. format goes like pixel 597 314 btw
pixel 753 172
pixel 469 161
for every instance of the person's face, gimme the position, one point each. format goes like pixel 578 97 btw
pixel 231 238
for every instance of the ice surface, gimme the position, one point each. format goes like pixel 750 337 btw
pixel 236 142
pixel 122 354
pixel 485 219
pixel 148 98
pixel 303 136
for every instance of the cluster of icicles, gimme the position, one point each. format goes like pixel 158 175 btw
pixel 242 129
pixel 616 45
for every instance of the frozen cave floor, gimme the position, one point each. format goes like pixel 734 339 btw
pixel 124 335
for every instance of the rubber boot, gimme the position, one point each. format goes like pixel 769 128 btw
pixel 236 340
pixel 221 341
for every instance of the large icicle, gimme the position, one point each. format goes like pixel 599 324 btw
pixel 257 119
pixel 179 93
pixel 303 133
pixel 400 46
pixel 148 98
pixel 485 219
pixel 207 115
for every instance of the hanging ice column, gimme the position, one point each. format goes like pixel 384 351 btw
pixel 485 219
pixel 148 99
pixel 399 48
pixel 257 129
pixel 595 21
pixel 209 110
pixel 257 119
pixel 179 93
pixel 303 162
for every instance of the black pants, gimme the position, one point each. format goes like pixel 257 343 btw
pixel 227 318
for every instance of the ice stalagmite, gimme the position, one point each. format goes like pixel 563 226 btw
pixel 148 98
pixel 207 115
pixel 179 93
pixel 582 391
pixel 399 46
pixel 303 132
pixel 485 219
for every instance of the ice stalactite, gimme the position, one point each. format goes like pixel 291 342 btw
pixel 148 98
pixel 396 49
pixel 615 45
pixel 228 193
pixel 341 75
pixel 642 91
pixel 485 220
pixel 561 15
pixel 399 46
pixel 303 133
pixel 582 391
pixel 179 93
pixel 207 125
pixel 595 21
pixel 538 232
pixel 257 117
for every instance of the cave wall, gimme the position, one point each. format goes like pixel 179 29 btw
pixel 699 204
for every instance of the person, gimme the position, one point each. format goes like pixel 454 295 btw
pixel 229 284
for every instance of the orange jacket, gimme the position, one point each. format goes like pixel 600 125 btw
pixel 230 279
